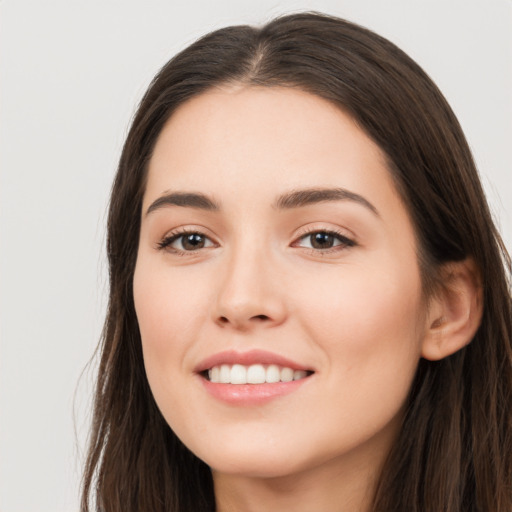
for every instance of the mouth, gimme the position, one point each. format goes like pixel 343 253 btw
pixel 251 378
pixel 239 374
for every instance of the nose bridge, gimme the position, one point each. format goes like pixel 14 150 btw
pixel 248 293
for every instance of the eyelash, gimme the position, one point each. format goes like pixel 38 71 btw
pixel 345 242
pixel 165 243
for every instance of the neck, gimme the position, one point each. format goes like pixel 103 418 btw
pixel 327 488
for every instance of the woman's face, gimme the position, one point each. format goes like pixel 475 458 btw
pixel 273 246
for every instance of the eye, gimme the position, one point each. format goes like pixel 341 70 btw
pixel 324 240
pixel 187 241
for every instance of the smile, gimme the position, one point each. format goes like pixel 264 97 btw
pixel 251 378
pixel 254 374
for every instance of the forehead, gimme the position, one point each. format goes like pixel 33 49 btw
pixel 245 142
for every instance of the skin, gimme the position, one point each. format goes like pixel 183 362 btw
pixel 353 313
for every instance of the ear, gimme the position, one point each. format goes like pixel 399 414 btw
pixel 455 311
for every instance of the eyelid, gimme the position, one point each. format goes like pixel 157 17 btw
pixel 347 239
pixel 326 227
pixel 171 236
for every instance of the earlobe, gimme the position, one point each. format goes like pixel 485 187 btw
pixel 455 312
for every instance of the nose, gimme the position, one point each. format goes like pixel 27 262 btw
pixel 250 293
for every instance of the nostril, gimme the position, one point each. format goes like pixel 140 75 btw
pixel 224 320
pixel 261 317
pixel 240 321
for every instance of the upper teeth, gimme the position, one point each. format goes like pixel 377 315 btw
pixel 254 374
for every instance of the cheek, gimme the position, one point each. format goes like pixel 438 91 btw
pixel 369 331
pixel 167 307
pixel 368 323
pixel 168 313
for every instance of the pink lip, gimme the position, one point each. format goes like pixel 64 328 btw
pixel 246 359
pixel 249 394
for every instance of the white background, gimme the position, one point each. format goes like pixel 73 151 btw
pixel 71 73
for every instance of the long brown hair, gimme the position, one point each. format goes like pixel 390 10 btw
pixel 454 451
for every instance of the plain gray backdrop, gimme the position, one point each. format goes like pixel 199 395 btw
pixel 71 73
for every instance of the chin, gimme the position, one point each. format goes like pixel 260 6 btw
pixel 251 461
pixel 254 468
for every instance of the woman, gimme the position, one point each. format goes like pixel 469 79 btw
pixel 309 305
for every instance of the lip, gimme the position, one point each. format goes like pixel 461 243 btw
pixel 247 358
pixel 249 394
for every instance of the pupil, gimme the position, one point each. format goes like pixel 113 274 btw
pixel 193 241
pixel 322 240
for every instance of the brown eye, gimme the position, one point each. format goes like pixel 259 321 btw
pixel 185 242
pixel 324 240
pixel 192 241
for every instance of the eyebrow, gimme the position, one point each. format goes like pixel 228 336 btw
pixel 287 201
pixel 185 199
pixel 305 197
